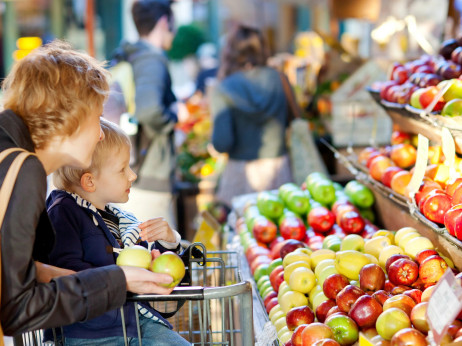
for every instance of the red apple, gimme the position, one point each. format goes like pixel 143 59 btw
pixel 403 272
pixel 269 296
pixel 453 221
pixel 314 332
pixel 276 241
pixel 423 254
pixel 398 137
pixel 292 227
pixel 326 342
pixel 321 219
pixel 388 175
pixel 371 278
pixel 297 335
pixel 378 166
pixel 457 195
pixel 400 289
pixel 415 294
pixel 452 186
pixel 403 155
pixel 408 336
pixel 352 222
pixel 381 296
pixel 275 277
pixel 426 187
pixel 435 205
pixel 365 311
pixel 298 316
pixel 271 304
pixel 255 251
pixel 400 301
pixel 276 249
pixel 394 258
pixel 333 284
pixel 388 287
pixel 323 309
pixel 290 245
pixel 264 230
pixel 262 259
pixel 335 310
pixel 347 297
pixel 432 269
pixel 419 317
pixel 365 154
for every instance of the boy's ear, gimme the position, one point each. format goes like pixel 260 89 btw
pixel 86 182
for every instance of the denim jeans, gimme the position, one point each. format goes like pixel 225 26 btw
pixel 152 334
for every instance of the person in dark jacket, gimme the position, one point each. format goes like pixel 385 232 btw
pixel 156 107
pixel 87 224
pixel 53 99
pixel 250 117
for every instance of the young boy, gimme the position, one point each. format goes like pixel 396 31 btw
pixel 90 231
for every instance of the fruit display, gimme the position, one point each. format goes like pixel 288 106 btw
pixel 340 278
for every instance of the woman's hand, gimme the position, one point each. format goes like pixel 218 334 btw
pixel 45 272
pixel 157 229
pixel 143 281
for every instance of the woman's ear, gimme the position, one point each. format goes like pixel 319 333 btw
pixel 87 183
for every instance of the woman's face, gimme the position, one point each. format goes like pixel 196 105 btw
pixel 79 146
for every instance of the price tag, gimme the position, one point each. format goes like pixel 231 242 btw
pixel 420 166
pixel 449 151
pixel 444 305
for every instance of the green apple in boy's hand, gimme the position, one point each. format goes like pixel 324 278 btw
pixel 169 263
pixel 134 256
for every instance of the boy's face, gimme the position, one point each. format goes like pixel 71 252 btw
pixel 114 179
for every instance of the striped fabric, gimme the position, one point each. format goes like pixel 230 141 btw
pixel 129 233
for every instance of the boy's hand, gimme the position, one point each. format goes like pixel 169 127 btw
pixel 157 229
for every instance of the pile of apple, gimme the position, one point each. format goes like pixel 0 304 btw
pixel 438 199
pixel 417 82
pixel 380 286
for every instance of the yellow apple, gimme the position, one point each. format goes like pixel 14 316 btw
pixel 283 288
pixel 372 259
pixel 283 331
pixel 349 263
pixel 448 260
pixel 387 252
pixel 280 323
pixel 285 337
pixel 291 267
pixel 291 300
pixel 304 250
pixel 405 238
pixel 373 246
pixel 277 316
pixel 352 242
pixel 402 232
pixel 386 233
pixel 321 265
pixel 319 255
pixel 302 280
pixel 292 257
pixel 275 309
pixel 318 299
pixel 415 245
pixel 135 256
pixel 325 273
pixel 316 289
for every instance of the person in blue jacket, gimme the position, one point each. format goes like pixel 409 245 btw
pixel 91 231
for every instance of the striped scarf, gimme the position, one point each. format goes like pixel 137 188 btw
pixel 129 233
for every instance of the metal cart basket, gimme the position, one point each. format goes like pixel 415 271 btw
pixel 217 306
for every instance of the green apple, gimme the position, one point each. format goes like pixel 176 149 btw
pixel 263 279
pixel 359 194
pixel 323 191
pixel 287 188
pixel 298 202
pixel 292 257
pixel 274 263
pixel 291 300
pixel 391 321
pixel 415 98
pixel 270 205
pixel 352 242
pixel 452 108
pixel 169 263
pixel 345 329
pixel 260 271
pixel 135 256
pixel 302 280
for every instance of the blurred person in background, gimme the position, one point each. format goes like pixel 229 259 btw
pixel 250 115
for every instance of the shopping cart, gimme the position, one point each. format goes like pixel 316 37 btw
pixel 217 306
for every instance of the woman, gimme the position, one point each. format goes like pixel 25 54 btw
pixel 250 117
pixel 53 99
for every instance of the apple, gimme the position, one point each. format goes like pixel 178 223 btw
pixel 457 195
pixel 378 166
pixel 381 296
pixel 419 317
pixel 326 342
pixel 454 91
pixel 302 280
pixel 169 263
pixel 403 272
pixel 423 254
pixel 322 190
pixel 276 240
pixel 296 256
pixel 134 256
pixel 264 230
pixel 296 337
pixel 400 301
pixel 352 242
pixel 266 300
pixel 365 154
pixel 352 222
pixel 292 299
pixel 298 316
pixel 426 187
pixel 333 284
pixel 273 264
pixel 344 328
pixel 427 96
pixel 447 47
pixel 432 269
pixel 394 258
pixel 292 227
pixel 426 294
pixel 388 175
pixel 347 297
pixel 408 336
pixel 452 186
pixel 276 277
pixel 321 219
pixel 271 303
pixel 275 251
pixel 365 311
pixel 415 294
pixel 454 327
pixel 398 137
pixel 435 205
pixel 391 321
pixel 371 278
pixel 323 309
pixel 453 221
pixel 400 181
pixel 403 155
pixel 335 311
pixel 291 267
pixel 289 246
pixel 314 332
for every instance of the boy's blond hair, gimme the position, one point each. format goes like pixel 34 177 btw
pixel 54 89
pixel 66 178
